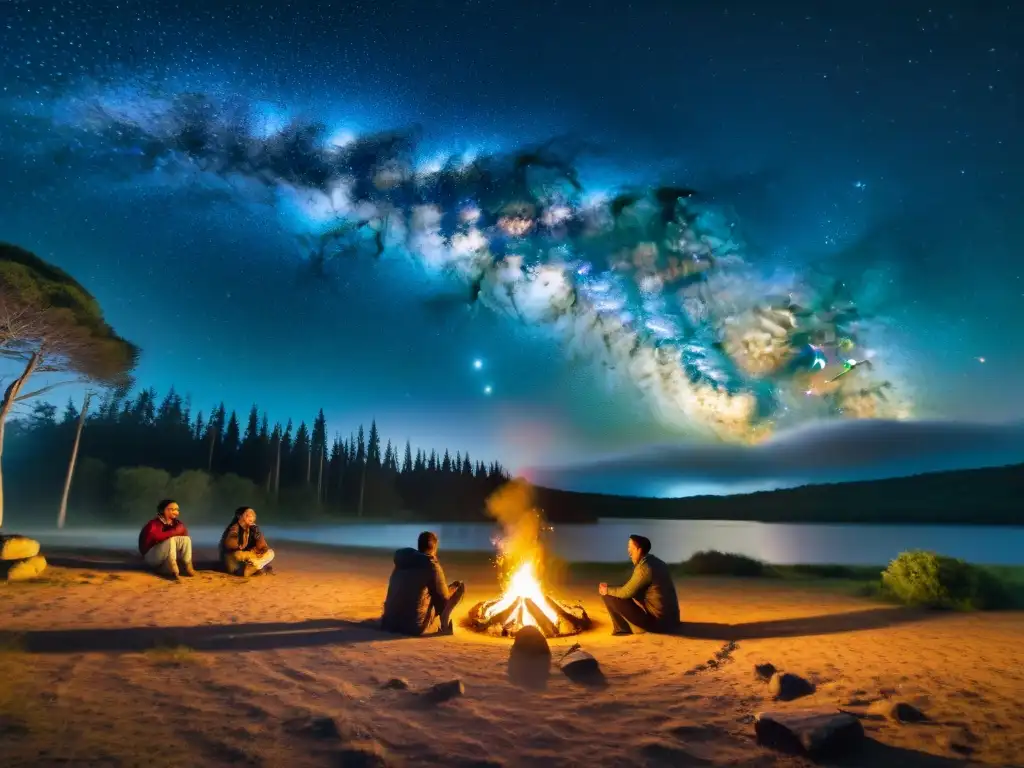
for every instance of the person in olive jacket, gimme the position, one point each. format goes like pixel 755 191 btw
pixel 417 592
pixel 648 600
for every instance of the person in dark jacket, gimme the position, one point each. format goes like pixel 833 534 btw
pixel 648 600
pixel 417 592
pixel 243 549
pixel 164 542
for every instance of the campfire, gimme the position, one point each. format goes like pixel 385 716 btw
pixel 523 602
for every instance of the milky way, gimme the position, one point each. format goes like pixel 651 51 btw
pixel 655 285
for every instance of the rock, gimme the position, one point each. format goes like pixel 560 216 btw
pixel 396 684
pixel 363 754
pixel 764 672
pixel 442 692
pixel 22 570
pixel 18 547
pixel 785 686
pixel 897 711
pixel 529 661
pixel 580 667
pixel 960 740
pixel 812 732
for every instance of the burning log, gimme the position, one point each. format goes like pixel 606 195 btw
pixel 578 623
pixel 548 627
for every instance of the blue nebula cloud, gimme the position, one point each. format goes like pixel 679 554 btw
pixel 654 285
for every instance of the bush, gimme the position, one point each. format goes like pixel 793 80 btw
pixel 931 580
pixel 714 563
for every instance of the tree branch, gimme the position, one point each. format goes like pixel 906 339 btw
pixel 47 388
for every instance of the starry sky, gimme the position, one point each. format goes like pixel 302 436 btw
pixel 877 142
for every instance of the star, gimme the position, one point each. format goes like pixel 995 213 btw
pixel 478 364
pixel 488 389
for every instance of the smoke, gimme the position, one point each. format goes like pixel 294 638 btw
pixel 654 286
pixel 521 524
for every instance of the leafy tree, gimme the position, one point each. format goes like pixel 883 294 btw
pixel 49 324
pixel 191 489
pixel 133 485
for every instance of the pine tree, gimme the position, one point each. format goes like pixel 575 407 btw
pixel 407 459
pixel 373 447
pixel 70 413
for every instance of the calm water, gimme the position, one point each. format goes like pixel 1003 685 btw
pixel 674 540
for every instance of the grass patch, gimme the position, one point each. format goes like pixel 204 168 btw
pixel 172 655
pixel 12 642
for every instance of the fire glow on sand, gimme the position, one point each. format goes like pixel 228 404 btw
pixel 523 601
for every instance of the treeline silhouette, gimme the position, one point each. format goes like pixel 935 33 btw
pixel 135 450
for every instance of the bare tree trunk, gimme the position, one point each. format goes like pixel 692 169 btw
pixel 309 462
pixel 10 397
pixel 213 442
pixel 320 479
pixel 277 471
pixel 362 489
pixel 62 515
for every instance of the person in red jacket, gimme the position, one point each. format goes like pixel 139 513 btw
pixel 164 542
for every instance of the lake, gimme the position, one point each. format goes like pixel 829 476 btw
pixel 674 540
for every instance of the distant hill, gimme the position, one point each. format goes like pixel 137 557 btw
pixel 991 496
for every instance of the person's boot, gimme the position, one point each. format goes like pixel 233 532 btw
pixel 190 569
pixel 249 570
pixel 172 572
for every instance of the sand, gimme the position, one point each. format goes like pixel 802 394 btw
pixel 102 664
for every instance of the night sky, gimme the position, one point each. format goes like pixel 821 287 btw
pixel 873 145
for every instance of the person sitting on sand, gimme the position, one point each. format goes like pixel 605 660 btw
pixel 243 549
pixel 648 600
pixel 417 591
pixel 164 542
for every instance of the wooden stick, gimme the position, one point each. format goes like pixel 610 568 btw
pixel 543 622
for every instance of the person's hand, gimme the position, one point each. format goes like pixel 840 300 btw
pixel 602 588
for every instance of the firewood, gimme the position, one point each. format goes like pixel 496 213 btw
pixel 576 622
pixel 543 622
pixel 502 617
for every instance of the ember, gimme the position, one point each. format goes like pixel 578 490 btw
pixel 524 604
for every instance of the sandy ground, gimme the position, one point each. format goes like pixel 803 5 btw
pixel 104 665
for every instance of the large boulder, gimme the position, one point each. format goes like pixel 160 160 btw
pixel 14 547
pixel 816 733
pixel 22 570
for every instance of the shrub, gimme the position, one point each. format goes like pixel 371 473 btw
pixel 932 580
pixel 714 563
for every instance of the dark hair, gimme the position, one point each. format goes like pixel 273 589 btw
pixel 241 511
pixel 642 543
pixel 164 504
pixel 427 542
